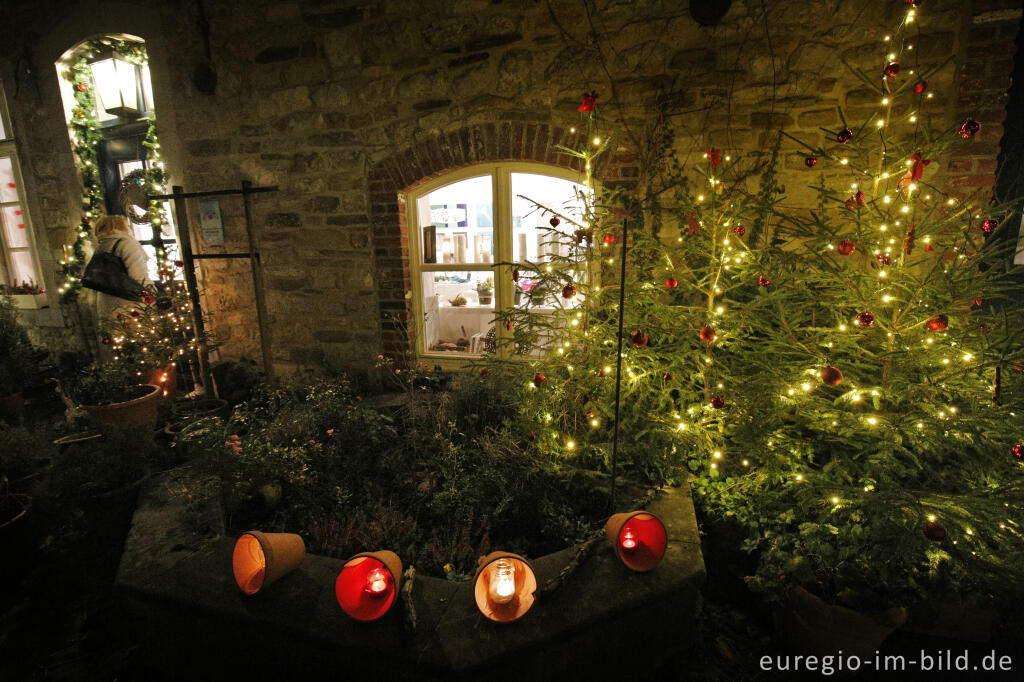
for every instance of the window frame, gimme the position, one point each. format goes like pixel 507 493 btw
pixel 8 148
pixel 501 196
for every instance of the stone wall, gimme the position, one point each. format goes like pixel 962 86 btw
pixel 343 106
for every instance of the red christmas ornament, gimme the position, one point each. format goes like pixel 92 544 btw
pixel 1017 367
pixel 866 318
pixel 933 531
pixel 179 264
pixel 891 70
pixel 920 87
pixel 589 101
pixel 82 87
pixel 740 230
pixel 568 291
pixel 508 325
pixel 969 128
pixel 718 402
pixel 763 281
pixel 135 314
pixel 531 436
pixel 915 3
pixel 859 198
pixel 707 334
pixel 851 204
pixel 609 239
pixel 11 184
pixel 667 376
pixel 671 282
pixel 810 161
pixel 1018 450
pixel 715 156
pixel 515 276
pixel 554 221
pixel 120 316
pixel 883 259
pixel 846 247
pixel 988 225
pixel 106 340
pixel 928 247
pixel 639 339
pixel 917 169
pixel 484 371
pixel 938 323
pixel 844 136
pixel 832 376
pixel 539 379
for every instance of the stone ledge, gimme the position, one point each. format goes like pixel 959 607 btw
pixel 604 618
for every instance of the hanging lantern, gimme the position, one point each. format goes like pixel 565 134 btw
pixel 638 538
pixel 505 586
pixel 368 584
pixel 117 84
pixel 261 558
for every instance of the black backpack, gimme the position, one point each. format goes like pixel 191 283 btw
pixel 106 272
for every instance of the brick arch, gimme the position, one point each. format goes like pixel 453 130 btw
pixel 392 177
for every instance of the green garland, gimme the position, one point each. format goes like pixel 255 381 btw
pixel 85 141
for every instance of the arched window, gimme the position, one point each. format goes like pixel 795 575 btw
pixel 470 229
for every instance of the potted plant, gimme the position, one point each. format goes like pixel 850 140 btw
pixel 112 393
pixel 15 360
pixel 484 290
pixel 25 295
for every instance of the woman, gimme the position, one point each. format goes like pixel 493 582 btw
pixel 114 235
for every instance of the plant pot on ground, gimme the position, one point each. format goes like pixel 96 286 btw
pixel 111 393
pixel 99 469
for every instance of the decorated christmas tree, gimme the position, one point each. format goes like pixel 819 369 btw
pixel 844 382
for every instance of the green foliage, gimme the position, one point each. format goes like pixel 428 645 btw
pixel 103 384
pixel 120 458
pixel 440 479
pixel 22 452
pixel 735 308
pixel 16 364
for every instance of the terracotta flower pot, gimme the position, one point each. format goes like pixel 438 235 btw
pixel 813 626
pixel 189 410
pixel 136 412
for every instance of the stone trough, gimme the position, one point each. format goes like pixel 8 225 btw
pixel 196 623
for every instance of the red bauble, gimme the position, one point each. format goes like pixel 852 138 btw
pixel 866 318
pixel 484 371
pixel 539 379
pixel 832 376
pixel 851 204
pixel 135 314
pixel 508 325
pixel 707 334
pixel 933 531
pixel 920 87
pixel 718 402
pixel 639 339
pixel 1018 450
pixel 844 136
pixel 106 340
pixel 891 70
pixel 667 376
pixel 763 281
pixel 859 197
pixel 515 276
pixel 82 87
pixel 671 282
pixel 928 247
pixel 609 239
pixel 915 3
pixel 937 323
pixel 531 436
pixel 846 247
pixel 568 291
pixel 811 161
pixel 988 225
pixel 179 263
pixel 883 259
pixel 554 221
pixel 740 230
pixel 969 128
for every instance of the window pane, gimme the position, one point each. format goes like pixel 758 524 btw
pixel 549 293
pixel 457 223
pixel 24 268
pixel 533 238
pixel 8 187
pixel 458 311
pixel 15 232
pixel 3 130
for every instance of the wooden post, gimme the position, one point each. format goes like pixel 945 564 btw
pixel 188 260
pixel 257 281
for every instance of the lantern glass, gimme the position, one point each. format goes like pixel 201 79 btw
pixel 505 587
pixel 116 85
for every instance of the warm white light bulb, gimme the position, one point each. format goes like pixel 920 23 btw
pixel 503 581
